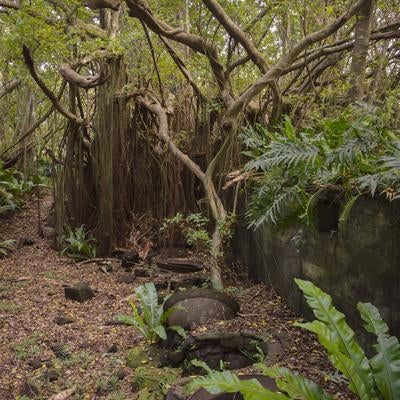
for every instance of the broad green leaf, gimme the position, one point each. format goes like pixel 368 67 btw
pixel 227 382
pixel 340 361
pixel 295 385
pixel 160 331
pixel 179 330
pixel 341 335
pixel 386 363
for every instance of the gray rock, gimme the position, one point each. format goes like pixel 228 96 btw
pixel 129 259
pixel 63 320
pixel 141 272
pixel 129 278
pixel 113 349
pixel 51 375
pixel 80 292
pixel 175 357
pixel 197 306
pixel 35 363
pixel 120 374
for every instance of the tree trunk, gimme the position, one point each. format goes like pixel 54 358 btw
pixel 360 50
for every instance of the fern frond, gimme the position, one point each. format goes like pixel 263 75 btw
pixel 345 214
pixel 292 155
pixel 269 208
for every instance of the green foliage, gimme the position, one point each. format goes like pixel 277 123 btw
pixel 13 189
pixel 7 247
pixel 227 382
pixel 82 358
pixel 27 348
pixel 225 226
pixel 9 307
pixel 153 383
pixel 386 363
pixel 193 228
pixel 355 153
pixel 151 319
pixel 79 245
pixel 295 385
pixel 339 340
pixel 375 378
pixel 107 384
pixel 257 355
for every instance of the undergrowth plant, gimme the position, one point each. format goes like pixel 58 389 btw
pixel 7 247
pixel 372 378
pixel 193 227
pixel 13 188
pixel 78 244
pixel 353 154
pixel 149 318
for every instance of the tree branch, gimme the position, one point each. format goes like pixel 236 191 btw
pixel 85 82
pixel 254 54
pixel 182 67
pixel 337 48
pixel 9 87
pixel 285 61
pixel 141 10
pixel 237 33
pixel 15 5
pixel 57 105
pixel 163 133
pixel 97 4
pixel 36 124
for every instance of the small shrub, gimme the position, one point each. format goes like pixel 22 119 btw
pixel 13 188
pixel 150 320
pixel 79 245
pixel 7 247
pixel 193 227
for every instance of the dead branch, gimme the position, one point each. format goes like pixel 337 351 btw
pixel 57 105
pixel 236 177
pixel 96 260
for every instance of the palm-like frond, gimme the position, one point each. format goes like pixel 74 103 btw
pixel 356 152
pixel 264 210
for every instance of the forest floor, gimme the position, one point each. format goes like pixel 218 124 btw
pixel 32 281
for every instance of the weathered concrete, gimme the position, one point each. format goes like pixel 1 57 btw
pixel 359 262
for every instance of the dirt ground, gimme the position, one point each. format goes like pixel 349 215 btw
pixel 32 281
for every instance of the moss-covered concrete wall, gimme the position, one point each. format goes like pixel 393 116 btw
pixel 359 262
